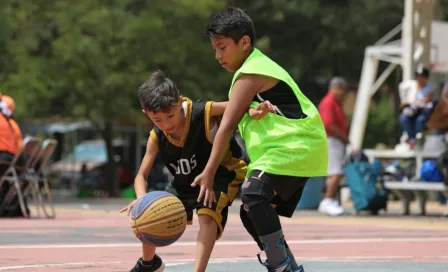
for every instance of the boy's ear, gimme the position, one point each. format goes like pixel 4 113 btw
pixel 245 42
pixel 144 111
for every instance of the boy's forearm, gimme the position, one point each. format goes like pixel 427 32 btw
pixel 140 186
pixel 220 144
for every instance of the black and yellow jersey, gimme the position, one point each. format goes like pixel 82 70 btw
pixel 187 157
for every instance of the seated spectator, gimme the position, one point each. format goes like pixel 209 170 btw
pixel 10 104
pixel 415 106
pixel 439 119
pixel 10 134
pixel 10 143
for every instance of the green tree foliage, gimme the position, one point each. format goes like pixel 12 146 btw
pixel 5 56
pixel 85 59
pixel 318 39
pixel 381 126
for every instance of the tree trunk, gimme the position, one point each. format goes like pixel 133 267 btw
pixel 111 179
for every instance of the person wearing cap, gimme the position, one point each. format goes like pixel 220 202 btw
pixel 10 134
pixel 335 122
pixel 10 143
pixel 416 96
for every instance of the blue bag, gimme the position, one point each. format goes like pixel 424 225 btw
pixel 429 172
pixel 366 186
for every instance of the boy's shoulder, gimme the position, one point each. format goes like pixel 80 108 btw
pixel 253 78
pixel 261 66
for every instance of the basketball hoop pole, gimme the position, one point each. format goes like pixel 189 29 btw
pixel 412 50
pixel 416 36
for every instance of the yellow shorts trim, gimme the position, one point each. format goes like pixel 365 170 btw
pixel 216 216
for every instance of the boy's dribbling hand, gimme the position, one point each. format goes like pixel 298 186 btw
pixel 261 110
pixel 128 208
pixel 206 182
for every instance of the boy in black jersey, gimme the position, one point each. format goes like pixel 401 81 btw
pixel 183 134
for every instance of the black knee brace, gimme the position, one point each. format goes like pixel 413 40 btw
pixel 247 223
pixel 264 218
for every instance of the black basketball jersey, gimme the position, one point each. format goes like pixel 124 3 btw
pixel 187 158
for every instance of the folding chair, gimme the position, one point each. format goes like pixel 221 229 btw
pixel 38 180
pixel 29 149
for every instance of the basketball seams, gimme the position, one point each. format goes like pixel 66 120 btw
pixel 133 215
pixel 148 205
pixel 158 219
pixel 135 208
pixel 161 241
pixel 156 204
pixel 158 207
pixel 163 218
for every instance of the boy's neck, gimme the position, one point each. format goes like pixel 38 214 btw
pixel 248 53
pixel 178 134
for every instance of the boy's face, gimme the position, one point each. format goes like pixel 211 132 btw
pixel 170 121
pixel 229 54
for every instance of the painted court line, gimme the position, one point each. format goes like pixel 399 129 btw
pixel 236 243
pixel 65 265
pixel 53 265
pixel 226 260
pixel 172 263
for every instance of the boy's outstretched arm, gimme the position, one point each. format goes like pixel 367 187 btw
pixel 140 184
pixel 243 92
pixel 218 108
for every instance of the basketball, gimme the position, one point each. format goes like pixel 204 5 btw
pixel 158 219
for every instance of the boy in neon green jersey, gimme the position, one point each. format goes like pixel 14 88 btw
pixel 285 148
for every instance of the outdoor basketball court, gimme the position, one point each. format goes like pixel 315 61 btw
pixel 96 237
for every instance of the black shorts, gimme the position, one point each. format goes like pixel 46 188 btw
pixel 283 192
pixel 225 193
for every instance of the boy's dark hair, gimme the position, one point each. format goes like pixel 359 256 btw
pixel 158 93
pixel 232 23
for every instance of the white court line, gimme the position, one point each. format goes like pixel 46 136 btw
pixel 237 243
pixel 227 260
pixel 52 265
pixel 66 265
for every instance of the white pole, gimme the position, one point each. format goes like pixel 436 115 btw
pixel 361 112
pixel 407 38
pixel 382 78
